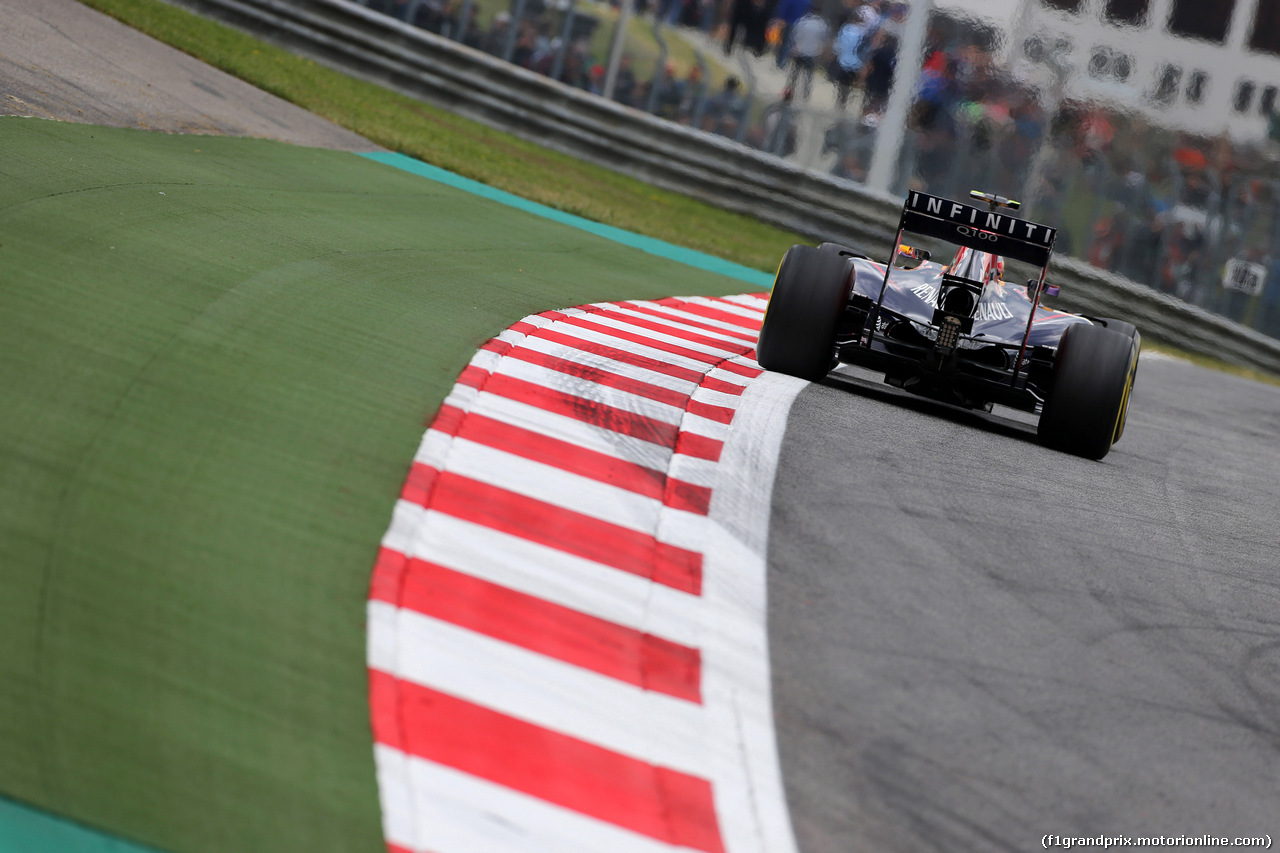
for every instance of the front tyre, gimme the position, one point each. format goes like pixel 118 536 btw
pixel 1093 374
pixel 798 336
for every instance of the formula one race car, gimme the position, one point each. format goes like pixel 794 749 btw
pixel 960 333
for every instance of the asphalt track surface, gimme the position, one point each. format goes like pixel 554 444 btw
pixel 977 641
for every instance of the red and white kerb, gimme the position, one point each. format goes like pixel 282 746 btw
pixel 567 649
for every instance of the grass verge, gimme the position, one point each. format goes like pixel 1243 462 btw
pixel 220 355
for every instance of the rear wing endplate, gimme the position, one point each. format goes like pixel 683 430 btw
pixel 983 230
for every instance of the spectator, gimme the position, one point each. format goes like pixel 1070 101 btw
pixel 624 85
pixel 785 14
pixel 936 93
pixel 543 54
pixel 527 38
pixel 880 67
pixel 596 79
pixel 699 13
pixel 851 47
pixel 468 31
pixel 692 93
pixel 750 17
pixel 725 109
pixel 1108 239
pixel 495 40
pixel 670 11
pixel 670 93
pixel 809 39
pixel 575 71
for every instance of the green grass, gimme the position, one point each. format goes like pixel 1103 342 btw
pixel 434 136
pixel 220 355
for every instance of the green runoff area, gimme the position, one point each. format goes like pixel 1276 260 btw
pixel 219 356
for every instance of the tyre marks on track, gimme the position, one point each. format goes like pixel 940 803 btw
pixel 567 646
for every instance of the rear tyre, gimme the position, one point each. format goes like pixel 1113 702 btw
pixel 1093 374
pixel 1132 331
pixel 1117 326
pixel 798 336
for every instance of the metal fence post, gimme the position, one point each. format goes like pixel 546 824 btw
pixel 509 48
pixel 558 66
pixel 464 21
pixel 700 104
pixel 615 52
pixel 659 71
pixel 748 77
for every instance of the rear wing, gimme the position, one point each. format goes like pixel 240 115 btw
pixel 975 228
pixel 983 230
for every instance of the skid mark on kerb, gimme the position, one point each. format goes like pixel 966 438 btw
pixel 567 642
pixel 662 249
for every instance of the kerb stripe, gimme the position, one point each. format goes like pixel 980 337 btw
pixel 714 313
pixel 635 338
pixel 727 347
pixel 617 354
pixel 655 801
pixel 536 640
pixel 746 337
pixel 572 532
pixel 742 369
pixel 600 376
pixel 573 458
pixel 583 409
pixel 550 629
